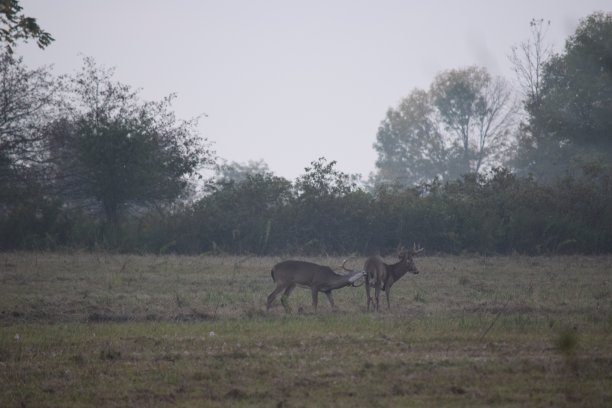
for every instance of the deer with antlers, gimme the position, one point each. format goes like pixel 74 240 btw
pixel 318 278
pixel 382 276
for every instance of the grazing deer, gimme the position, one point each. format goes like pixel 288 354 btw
pixel 382 276
pixel 318 278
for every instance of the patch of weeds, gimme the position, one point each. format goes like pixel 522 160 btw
pixel 171 357
pixel 567 341
pixel 236 354
pixel 522 321
pixel 78 359
pixel 530 288
pixel 109 354
pixel 419 297
pixel 193 316
pixel 236 394
pixel 457 390
pixel 285 303
pixel 5 355
pixel 398 390
pixel 203 376
pixel 566 344
pixel 115 280
pixel 601 294
pixel 96 317
pixel 462 322
pixel 254 312
pixel 180 301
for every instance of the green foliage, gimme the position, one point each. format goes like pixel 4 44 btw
pixel 28 100
pixel 239 172
pixel 498 212
pixel 242 216
pixel 322 180
pixel 495 213
pixel 578 85
pixel 118 152
pixel 15 26
pixel 569 121
pixel 476 111
pixel 459 126
pixel 409 144
pixel 321 208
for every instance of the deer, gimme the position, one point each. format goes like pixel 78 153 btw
pixel 382 276
pixel 318 278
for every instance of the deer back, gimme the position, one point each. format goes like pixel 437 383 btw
pixel 302 273
pixel 375 269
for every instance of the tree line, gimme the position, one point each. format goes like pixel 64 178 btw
pixel 324 211
pixel 85 163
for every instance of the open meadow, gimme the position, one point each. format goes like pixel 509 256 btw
pixel 94 329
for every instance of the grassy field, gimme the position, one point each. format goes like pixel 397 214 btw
pixel 139 331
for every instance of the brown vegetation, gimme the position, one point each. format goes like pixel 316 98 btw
pixel 106 330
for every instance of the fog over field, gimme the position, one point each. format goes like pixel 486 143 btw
pixel 273 203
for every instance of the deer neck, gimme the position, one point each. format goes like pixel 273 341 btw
pixel 397 270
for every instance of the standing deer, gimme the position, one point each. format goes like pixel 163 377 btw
pixel 318 278
pixel 382 276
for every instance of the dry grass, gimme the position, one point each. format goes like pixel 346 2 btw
pixel 114 330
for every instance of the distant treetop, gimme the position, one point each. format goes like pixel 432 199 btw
pixel 15 26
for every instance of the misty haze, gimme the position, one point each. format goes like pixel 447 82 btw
pixel 180 181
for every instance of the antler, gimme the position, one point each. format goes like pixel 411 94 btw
pixel 416 250
pixel 356 278
pixel 344 263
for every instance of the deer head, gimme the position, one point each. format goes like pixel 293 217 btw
pixel 406 262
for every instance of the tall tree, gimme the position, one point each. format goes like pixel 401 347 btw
pixel 29 98
pixel 115 152
pixel 322 180
pixel 15 26
pixel 477 113
pixel 528 59
pixel 409 143
pixel 319 209
pixel 244 215
pixel 461 125
pixel 534 151
pixel 570 122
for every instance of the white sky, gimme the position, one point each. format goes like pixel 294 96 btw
pixel 291 81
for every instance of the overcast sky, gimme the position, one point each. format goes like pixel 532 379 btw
pixel 291 81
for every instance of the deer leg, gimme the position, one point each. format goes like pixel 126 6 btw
pixel 315 298
pixel 272 296
pixel 377 294
pixel 367 287
pixel 285 298
pixel 331 300
pixel 388 293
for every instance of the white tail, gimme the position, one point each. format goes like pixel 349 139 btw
pixel 318 278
